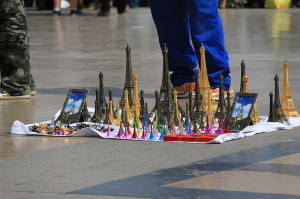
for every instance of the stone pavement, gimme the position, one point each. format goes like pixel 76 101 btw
pixel 69 52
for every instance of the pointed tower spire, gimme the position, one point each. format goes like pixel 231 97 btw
pixel 204 83
pixel 101 102
pixel 279 116
pixel 243 66
pixel 165 102
pixel 128 77
pixel 136 106
pixel 221 103
pixel 288 106
pixel 271 111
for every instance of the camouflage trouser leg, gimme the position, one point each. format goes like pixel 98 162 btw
pixel 15 67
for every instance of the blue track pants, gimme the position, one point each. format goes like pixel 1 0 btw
pixel 183 25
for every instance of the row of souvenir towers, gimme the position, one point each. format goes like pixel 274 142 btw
pixel 201 111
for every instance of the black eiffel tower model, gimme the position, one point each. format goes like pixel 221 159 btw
pixel 198 109
pixel 271 113
pixel 243 73
pixel 278 114
pixel 100 102
pixel 165 104
pixel 142 102
pixel 128 79
pixel 221 103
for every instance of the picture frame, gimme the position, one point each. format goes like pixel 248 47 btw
pixel 241 110
pixel 74 108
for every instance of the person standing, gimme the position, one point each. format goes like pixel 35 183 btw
pixel 106 5
pixel 16 78
pixel 184 25
pixel 73 5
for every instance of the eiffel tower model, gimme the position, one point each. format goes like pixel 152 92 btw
pixel 110 98
pixel 243 73
pixel 254 115
pixel 286 99
pixel 198 109
pixel 204 83
pixel 142 102
pixel 279 115
pixel 100 108
pixel 221 103
pixel 128 78
pixel 176 114
pixel 271 113
pixel 96 116
pixel 128 115
pixel 111 119
pixel 165 104
pixel 136 106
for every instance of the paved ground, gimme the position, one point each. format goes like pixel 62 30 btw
pixel 69 52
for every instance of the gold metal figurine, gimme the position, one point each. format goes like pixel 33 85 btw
pixel 176 114
pixel 204 83
pixel 111 119
pixel 136 102
pixel 128 115
pixel 254 115
pixel 286 100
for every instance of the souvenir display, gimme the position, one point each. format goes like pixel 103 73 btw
pixel 204 119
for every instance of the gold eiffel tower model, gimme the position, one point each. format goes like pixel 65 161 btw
pixel 128 115
pixel 176 114
pixel 286 99
pixel 118 119
pixel 111 119
pixel 254 115
pixel 136 106
pixel 208 102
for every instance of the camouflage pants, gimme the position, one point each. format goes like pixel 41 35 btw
pixel 15 67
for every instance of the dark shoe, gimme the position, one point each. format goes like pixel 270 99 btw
pixel 56 13
pixel 104 14
pixel 75 12
pixel 5 95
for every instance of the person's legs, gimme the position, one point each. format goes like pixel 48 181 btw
pixel 73 4
pixel 105 8
pixel 56 7
pixel 206 27
pixel 16 76
pixel 121 6
pixel 56 4
pixel 171 20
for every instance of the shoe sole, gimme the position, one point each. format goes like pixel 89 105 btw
pixel 184 95
pixel 15 97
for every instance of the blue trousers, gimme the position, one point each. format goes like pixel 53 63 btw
pixel 183 25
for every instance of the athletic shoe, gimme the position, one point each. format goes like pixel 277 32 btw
pixel 56 13
pixel 215 93
pixel 103 14
pixel 75 12
pixel 5 95
pixel 184 89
